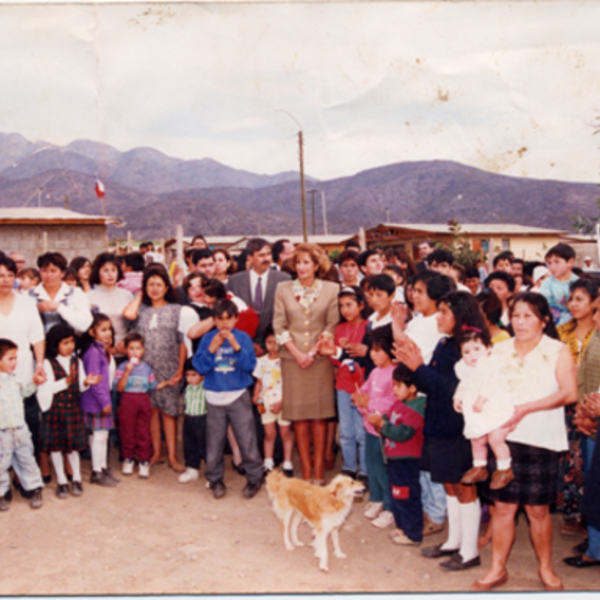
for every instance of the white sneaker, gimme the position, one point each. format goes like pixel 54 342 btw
pixel 189 475
pixel 384 520
pixel 372 509
pixel 144 471
pixel 127 468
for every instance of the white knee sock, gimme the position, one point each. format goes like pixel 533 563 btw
pixel 454 524
pixel 59 467
pixel 74 462
pixel 99 447
pixel 470 517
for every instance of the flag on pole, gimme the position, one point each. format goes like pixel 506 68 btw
pixel 99 187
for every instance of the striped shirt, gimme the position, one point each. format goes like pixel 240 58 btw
pixel 195 400
pixel 12 393
pixel 141 380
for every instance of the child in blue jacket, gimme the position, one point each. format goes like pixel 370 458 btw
pixel 226 358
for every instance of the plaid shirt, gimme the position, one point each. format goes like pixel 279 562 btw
pixel 12 393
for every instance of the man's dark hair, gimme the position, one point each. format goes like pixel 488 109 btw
pixel 436 284
pixel 201 254
pixel 501 276
pixel 347 255
pixel 254 245
pixel 52 258
pixel 135 261
pixel 6 345
pixel 199 237
pixel 9 263
pixel 364 256
pixel 563 251
pixel 402 374
pixel 222 307
pixel 133 337
pixel 502 256
pixel 471 272
pixel 440 256
pixel 352 244
pixel 382 282
pixel 278 248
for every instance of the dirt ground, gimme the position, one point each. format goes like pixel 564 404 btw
pixel 157 536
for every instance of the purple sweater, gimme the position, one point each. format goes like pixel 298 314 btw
pixel 96 397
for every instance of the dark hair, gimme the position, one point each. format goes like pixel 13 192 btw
pixel 398 270
pixel 232 268
pixel 199 237
pixel 157 270
pixel 254 245
pixel 6 345
pixel 135 261
pixel 278 248
pixel 225 306
pixel 52 258
pixel 462 275
pixel 56 334
pixel 587 283
pixel 490 305
pixel 561 250
pixel 471 272
pixel 70 272
pixel 189 366
pixel 364 256
pixel 28 272
pixel 540 307
pixel 347 255
pixel 214 288
pixel 9 263
pixel 473 334
pixel 355 292
pixel 402 374
pixel 382 339
pixel 502 256
pixel 437 285
pixel 383 283
pixel 352 244
pixel 78 262
pixel 404 257
pixel 440 256
pixel 185 284
pixel 508 279
pixel 101 260
pixel 87 339
pixel 518 261
pixel 466 312
pixel 200 254
pixel 133 337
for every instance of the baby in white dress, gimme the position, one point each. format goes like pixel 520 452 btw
pixel 486 409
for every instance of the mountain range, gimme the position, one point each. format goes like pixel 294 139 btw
pixel 153 192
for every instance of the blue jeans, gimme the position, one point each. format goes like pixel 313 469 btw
pixel 587 451
pixel 433 498
pixel 405 494
pixel 16 450
pixel 379 484
pixel 352 434
pixel 593 550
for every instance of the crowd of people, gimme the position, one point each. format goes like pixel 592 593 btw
pixel 454 394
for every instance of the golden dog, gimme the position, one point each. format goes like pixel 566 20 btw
pixel 325 508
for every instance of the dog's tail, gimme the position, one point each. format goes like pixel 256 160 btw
pixel 273 481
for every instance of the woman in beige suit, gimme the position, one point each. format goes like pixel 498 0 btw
pixel 304 319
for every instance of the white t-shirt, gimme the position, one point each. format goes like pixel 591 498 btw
pixel 423 331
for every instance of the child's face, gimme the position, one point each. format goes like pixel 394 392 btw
pixel 193 378
pixel 380 357
pixel 374 265
pixel 225 322
pixel 441 267
pixel 559 267
pixel 102 333
pixel 70 280
pixel 195 292
pixel 379 301
pixel 500 288
pixel 397 279
pixel 349 271
pixel 421 300
pixel 404 392
pixel 504 265
pixel 26 283
pixel 271 345
pixel 8 362
pixel 135 349
pixel 350 308
pixel 66 347
pixel 472 351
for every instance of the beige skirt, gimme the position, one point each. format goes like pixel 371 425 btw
pixel 308 393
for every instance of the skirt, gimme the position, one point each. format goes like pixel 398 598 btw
pixel 98 421
pixel 447 459
pixel 307 393
pixel 536 476
pixel 62 430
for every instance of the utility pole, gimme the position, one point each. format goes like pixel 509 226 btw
pixel 314 220
pixel 324 212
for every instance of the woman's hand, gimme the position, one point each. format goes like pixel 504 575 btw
pixel 517 417
pixel 457 404
pixel 409 354
pixel 360 399
pixel 356 349
pixel 591 404
pixel 304 360
pixel 39 375
pixel 92 379
pixel 107 410
pixel 326 345
pixel 173 381
pixel 376 420
pixel 47 306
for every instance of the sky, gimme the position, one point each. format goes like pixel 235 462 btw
pixel 511 88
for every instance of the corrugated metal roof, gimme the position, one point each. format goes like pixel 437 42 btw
pixel 476 228
pixel 47 215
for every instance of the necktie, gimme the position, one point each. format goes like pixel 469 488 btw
pixel 258 295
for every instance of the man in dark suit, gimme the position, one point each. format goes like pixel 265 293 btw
pixel 256 286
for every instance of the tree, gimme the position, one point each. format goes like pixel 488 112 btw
pixel 461 247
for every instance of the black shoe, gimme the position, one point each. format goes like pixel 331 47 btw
pixel 8 496
pixel 218 489
pixel 101 479
pixel 62 491
pixel 288 472
pixel 240 470
pixel 3 504
pixel 47 478
pixel 581 547
pixel 36 498
pixel 580 563
pixel 108 473
pixel 76 488
pixel 348 473
pixel 251 489
pixel 456 563
pixel 437 552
